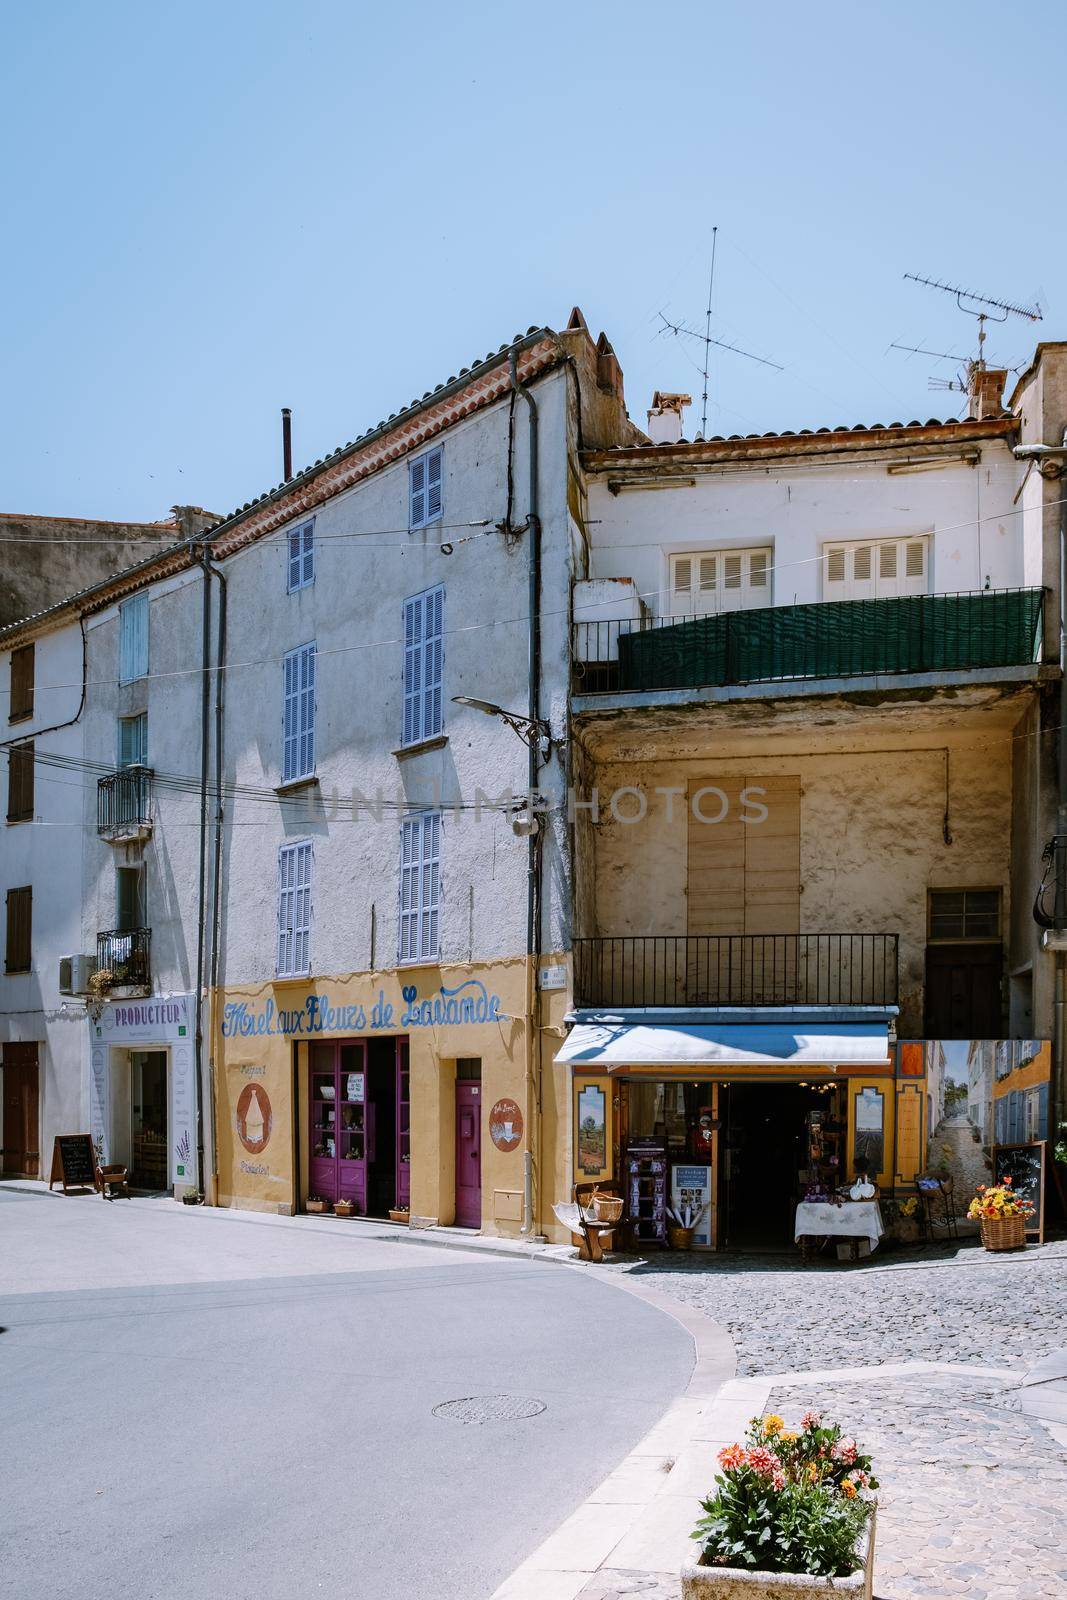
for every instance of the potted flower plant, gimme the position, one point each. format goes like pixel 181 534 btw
pixel 1002 1215
pixel 792 1517
pixel 315 1205
pixel 344 1208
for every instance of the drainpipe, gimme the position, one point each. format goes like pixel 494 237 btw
pixel 216 862
pixel 533 893
pixel 205 723
pixel 1051 460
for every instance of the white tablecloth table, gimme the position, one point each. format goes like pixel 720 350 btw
pixel 852 1219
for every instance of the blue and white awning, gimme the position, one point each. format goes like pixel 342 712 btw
pixel 697 1039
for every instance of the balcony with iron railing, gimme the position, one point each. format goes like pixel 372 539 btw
pixel 125 955
pixel 934 633
pixel 735 969
pixel 124 803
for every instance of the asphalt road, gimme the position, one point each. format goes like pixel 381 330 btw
pixel 196 1404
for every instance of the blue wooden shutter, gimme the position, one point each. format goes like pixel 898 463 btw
pixel 434 500
pixel 418 492
pixel 133 638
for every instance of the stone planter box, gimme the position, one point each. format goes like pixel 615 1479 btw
pixel 741 1583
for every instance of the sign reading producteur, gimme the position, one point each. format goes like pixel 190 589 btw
pixel 469 1001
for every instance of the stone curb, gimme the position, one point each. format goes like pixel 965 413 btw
pixel 631 1534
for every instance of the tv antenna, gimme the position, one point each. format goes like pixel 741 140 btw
pixel 678 328
pixel 974 305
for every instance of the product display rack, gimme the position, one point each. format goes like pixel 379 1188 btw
pixel 646 1190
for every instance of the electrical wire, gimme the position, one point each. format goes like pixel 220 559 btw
pixel 500 622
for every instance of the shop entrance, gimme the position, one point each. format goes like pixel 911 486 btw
pixel 148 1119
pixel 360 1125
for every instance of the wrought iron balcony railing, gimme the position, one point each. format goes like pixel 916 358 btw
pixel 124 801
pixel 737 969
pixel 125 954
pixel 831 639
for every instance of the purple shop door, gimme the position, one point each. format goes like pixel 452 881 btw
pixel 468 1155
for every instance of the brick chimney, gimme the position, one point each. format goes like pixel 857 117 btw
pixel 985 389
pixel 192 520
pixel 665 423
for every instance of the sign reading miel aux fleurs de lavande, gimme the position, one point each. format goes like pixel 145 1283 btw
pixel 467 1002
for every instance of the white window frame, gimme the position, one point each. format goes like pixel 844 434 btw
pixel 426 474
pixel 703 583
pixel 133 638
pixel 295 867
pixel 298 713
pixel 419 916
pixel 876 568
pixel 424 666
pixel 300 567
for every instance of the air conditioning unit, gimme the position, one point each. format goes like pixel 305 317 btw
pixel 74 974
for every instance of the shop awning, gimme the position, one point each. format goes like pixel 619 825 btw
pixel 619 1041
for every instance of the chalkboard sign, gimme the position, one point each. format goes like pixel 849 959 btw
pixel 73 1161
pixel 1024 1164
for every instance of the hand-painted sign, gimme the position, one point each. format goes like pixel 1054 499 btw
pixel 469 1001
pixel 254 1118
pixel 505 1124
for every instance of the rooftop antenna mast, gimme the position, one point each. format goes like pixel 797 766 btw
pixel 707 341
pixel 1006 308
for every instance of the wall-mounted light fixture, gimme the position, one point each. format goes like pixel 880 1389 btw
pixel 529 732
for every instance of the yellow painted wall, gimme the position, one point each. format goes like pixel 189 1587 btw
pixel 257 1028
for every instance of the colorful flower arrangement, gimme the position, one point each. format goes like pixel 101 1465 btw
pixel 998 1200
pixel 789 1500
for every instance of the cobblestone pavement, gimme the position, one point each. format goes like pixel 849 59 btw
pixel 973 1495
pixel 990 1310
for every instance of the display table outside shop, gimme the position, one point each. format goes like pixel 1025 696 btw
pixel 852 1219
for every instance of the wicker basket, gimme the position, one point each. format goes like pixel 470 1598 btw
pixel 606 1207
pixel 1004 1233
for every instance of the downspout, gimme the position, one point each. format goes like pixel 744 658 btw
pixel 532 1154
pixel 216 864
pixel 1056 458
pixel 205 723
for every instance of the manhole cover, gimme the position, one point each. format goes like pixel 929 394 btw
pixel 489 1408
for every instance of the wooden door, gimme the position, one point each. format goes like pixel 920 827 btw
pixel 963 991
pixel 21 1129
pixel 468 1154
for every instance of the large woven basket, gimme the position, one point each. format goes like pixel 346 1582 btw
pixel 607 1207
pixel 1004 1233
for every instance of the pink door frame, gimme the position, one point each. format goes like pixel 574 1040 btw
pixel 468 1154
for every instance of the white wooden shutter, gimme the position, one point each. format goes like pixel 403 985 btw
pixel 426 486
pixel 757 569
pixel 681 584
pixel 709 581
pixel 835 568
pixel 294 909
pixel 420 888
pixel 884 569
pixel 424 665
pixel 298 713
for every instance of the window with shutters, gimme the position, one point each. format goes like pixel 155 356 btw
pixel 298 713
pixel 704 582
pixel 131 908
pixel 301 556
pixel 876 569
pixel 133 741
pixel 20 703
pixel 20 782
pixel 133 639
pixel 425 492
pixel 424 665
pixel 19 925
pixel 420 888
pixel 294 909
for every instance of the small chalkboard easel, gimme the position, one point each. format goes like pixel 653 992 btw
pixel 73 1162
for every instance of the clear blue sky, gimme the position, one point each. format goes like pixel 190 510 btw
pixel 216 210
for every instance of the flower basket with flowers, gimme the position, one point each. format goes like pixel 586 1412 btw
pixel 1002 1215
pixel 792 1509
